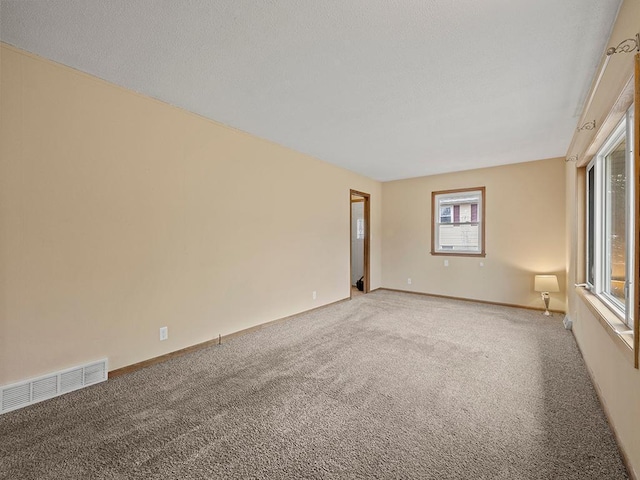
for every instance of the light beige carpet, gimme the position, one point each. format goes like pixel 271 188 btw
pixel 387 385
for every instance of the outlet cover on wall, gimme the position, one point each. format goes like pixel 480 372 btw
pixel 314 294
pixel 446 263
pixel 164 333
pixel 408 281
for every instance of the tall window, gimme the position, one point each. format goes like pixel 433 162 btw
pixel 458 222
pixel 610 221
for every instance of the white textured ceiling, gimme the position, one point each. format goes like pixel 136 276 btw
pixel 387 88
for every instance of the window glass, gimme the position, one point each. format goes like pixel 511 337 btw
pixel 615 216
pixel 445 214
pixel 360 229
pixel 459 227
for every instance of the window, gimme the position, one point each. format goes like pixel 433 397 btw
pixel 458 222
pixel 360 229
pixel 610 221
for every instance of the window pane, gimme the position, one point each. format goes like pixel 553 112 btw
pixel 457 226
pixel 460 237
pixel 615 229
pixel 465 213
pixel 360 229
pixel 445 214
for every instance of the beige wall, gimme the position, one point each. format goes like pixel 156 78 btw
pixel 612 371
pixel 617 382
pixel 120 214
pixel 525 235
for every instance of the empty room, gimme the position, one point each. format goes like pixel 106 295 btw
pixel 292 239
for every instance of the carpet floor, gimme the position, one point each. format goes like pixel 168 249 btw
pixel 387 385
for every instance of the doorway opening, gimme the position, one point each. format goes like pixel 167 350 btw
pixel 360 237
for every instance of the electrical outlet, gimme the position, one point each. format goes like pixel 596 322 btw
pixel 446 263
pixel 408 281
pixel 314 294
pixel 482 264
pixel 164 333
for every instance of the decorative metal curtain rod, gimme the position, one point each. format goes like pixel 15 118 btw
pixel 626 46
pixel 588 126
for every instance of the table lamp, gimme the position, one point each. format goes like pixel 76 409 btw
pixel 546 284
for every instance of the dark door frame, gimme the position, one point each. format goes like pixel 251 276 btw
pixel 367 236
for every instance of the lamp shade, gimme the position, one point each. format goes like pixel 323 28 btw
pixel 546 283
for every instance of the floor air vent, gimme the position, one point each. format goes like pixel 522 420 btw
pixel 32 391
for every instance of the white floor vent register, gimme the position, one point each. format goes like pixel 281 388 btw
pixel 52 385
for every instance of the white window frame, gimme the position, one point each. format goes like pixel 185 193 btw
pixel 449 197
pixel 597 279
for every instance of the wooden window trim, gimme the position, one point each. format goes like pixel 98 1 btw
pixel 483 222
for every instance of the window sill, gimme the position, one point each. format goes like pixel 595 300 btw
pixel 619 332
pixel 459 254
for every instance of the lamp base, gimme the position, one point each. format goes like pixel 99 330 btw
pixel 545 299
